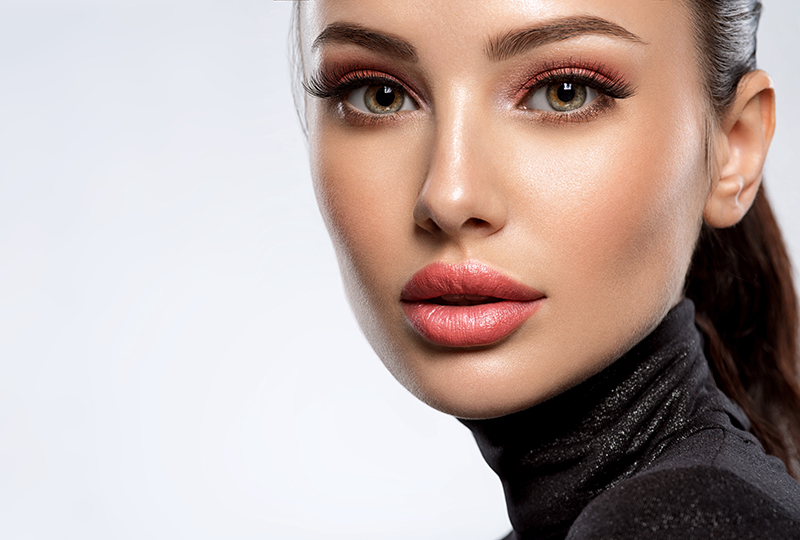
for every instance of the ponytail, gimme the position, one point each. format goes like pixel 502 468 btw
pixel 741 283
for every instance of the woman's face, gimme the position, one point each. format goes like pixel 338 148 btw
pixel 538 167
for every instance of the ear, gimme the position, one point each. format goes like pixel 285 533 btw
pixel 741 148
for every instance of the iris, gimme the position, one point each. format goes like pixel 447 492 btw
pixel 566 96
pixel 383 99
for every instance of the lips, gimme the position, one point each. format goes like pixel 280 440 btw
pixel 466 304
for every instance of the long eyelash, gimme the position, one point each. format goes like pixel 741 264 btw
pixel 341 80
pixel 596 76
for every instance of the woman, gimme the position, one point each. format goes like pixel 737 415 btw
pixel 535 206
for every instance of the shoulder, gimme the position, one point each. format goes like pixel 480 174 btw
pixel 688 502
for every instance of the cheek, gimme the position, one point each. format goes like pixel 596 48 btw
pixel 618 212
pixel 354 179
pixel 366 182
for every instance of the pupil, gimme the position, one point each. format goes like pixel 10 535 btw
pixel 385 96
pixel 566 93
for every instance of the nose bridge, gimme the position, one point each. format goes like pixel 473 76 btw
pixel 461 194
pixel 451 157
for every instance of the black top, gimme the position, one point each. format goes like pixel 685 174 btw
pixel 648 448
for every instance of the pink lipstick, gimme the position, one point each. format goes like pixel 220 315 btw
pixel 466 304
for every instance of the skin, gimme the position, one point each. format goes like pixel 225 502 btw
pixel 600 213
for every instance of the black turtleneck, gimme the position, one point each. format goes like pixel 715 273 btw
pixel 648 448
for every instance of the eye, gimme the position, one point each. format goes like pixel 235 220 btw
pixel 381 99
pixel 563 96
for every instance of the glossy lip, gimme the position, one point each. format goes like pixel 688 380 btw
pixel 507 304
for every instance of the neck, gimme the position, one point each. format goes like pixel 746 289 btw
pixel 555 457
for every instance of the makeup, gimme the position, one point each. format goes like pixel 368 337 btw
pixel 593 74
pixel 575 164
pixel 467 304
pixel 345 85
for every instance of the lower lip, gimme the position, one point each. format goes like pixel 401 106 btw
pixel 468 326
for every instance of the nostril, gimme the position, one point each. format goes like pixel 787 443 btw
pixel 437 216
pixel 476 223
pixel 430 226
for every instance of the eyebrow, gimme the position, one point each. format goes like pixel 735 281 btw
pixel 500 48
pixel 355 34
pixel 519 41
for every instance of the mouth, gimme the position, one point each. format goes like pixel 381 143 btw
pixel 467 304
pixel 463 300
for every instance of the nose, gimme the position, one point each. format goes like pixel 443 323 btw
pixel 461 195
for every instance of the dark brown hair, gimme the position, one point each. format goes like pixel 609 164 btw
pixel 741 278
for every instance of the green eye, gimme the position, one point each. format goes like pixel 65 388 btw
pixel 381 99
pixel 564 96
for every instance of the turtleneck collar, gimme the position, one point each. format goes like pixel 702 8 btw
pixel 555 457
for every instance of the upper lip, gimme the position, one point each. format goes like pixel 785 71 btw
pixel 471 278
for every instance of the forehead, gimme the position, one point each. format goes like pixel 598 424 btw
pixel 462 26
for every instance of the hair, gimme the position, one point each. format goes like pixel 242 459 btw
pixel 296 65
pixel 740 278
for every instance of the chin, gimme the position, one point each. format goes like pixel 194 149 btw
pixel 480 384
pixel 488 402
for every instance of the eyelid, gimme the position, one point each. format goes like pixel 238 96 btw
pixel 337 82
pixel 608 82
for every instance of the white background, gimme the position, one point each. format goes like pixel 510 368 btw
pixel 177 359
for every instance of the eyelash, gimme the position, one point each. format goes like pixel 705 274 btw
pixel 611 87
pixel 335 84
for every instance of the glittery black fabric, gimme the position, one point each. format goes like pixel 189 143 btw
pixel 649 448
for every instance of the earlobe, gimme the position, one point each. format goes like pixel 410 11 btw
pixel 744 139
